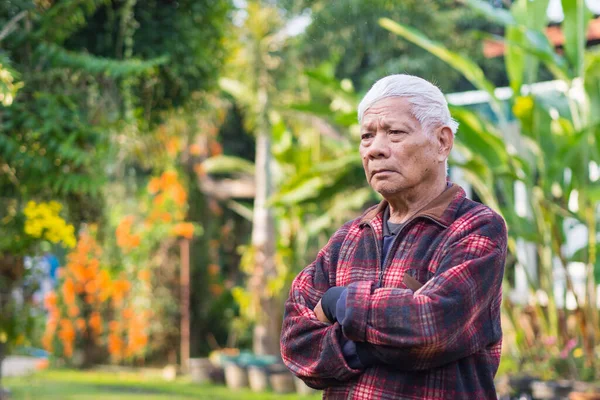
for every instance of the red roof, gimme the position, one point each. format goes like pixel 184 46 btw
pixel 494 48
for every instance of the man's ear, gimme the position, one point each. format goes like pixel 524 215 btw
pixel 445 140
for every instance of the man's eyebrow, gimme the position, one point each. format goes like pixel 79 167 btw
pixel 398 123
pixel 368 125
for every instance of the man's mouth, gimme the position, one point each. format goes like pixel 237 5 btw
pixel 381 171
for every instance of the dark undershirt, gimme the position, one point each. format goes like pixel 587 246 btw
pixel 390 231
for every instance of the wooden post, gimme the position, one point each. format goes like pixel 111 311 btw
pixel 184 246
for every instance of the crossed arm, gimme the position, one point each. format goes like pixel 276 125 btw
pixel 449 318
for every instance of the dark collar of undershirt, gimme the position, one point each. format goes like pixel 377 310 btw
pixel 389 228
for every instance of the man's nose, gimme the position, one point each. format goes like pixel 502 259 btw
pixel 380 146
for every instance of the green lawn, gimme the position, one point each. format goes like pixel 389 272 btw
pixel 94 385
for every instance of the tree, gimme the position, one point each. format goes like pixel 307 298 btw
pixel 76 75
pixel 254 58
pixel 347 33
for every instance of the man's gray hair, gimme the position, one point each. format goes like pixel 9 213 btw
pixel 428 103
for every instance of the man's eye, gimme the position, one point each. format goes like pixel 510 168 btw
pixel 396 132
pixel 366 136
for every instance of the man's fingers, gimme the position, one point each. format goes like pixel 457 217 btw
pixel 320 314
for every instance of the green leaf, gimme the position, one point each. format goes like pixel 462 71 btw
pixel 237 89
pixel 592 84
pixel 574 27
pixel 495 14
pixel 515 58
pixel 98 65
pixel 307 189
pixel 480 141
pixel 227 164
pixel 470 70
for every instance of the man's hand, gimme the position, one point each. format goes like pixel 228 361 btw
pixel 320 314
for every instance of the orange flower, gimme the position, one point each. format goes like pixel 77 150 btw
pixel 80 324
pixel 173 146
pixel 79 288
pixel 92 268
pixel 68 290
pixel 73 311
pixel 127 313
pixel 154 186
pixel 42 364
pixel 50 300
pixel 115 345
pixel 199 169
pixel 159 200
pixel 123 233
pixel 215 148
pixel 95 322
pixel 144 275
pixel 185 229
pixel 155 215
pixel 216 289
pixel 114 326
pixel 122 285
pixel 91 287
pixel 79 271
pixel 213 269
pixel 68 350
pixel 134 241
pixel 120 288
pixel 54 314
pixel 103 280
pixel 179 195
pixel 166 217
pixel 66 334
pixel 196 149
pixel 168 179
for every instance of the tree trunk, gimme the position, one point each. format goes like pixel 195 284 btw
pixel 268 322
pixel 2 347
pixel 185 304
pixel 11 271
pixel 266 332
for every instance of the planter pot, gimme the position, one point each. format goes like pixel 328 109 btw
pixel 258 378
pixel 169 373
pixel 584 396
pixel 585 391
pixel 217 375
pixel 4 394
pixel 303 388
pixel 282 382
pixel 236 377
pixel 551 390
pixel 200 370
pixel 520 385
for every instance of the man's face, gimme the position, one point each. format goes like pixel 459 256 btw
pixel 396 152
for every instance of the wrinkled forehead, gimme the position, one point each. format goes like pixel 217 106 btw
pixel 392 111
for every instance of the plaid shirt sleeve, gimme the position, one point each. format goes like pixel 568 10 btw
pixel 311 349
pixel 455 314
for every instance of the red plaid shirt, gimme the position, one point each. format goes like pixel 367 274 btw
pixel 441 341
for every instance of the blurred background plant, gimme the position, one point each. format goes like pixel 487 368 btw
pixel 130 131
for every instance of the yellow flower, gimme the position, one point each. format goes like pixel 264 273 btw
pixel 43 220
pixel 523 106
pixel 578 353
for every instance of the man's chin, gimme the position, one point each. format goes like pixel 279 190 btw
pixel 386 189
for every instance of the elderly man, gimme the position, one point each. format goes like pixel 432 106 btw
pixel 403 302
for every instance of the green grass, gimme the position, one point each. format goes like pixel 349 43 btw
pixel 95 385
